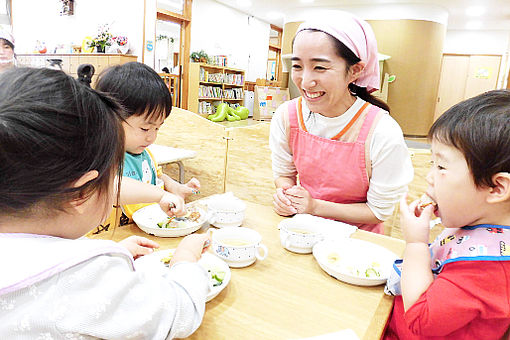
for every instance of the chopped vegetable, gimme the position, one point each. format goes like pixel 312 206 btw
pixel 217 276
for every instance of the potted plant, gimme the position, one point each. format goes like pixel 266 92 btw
pixel 199 57
pixel 102 39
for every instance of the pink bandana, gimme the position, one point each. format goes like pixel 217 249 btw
pixel 358 36
pixel 6 35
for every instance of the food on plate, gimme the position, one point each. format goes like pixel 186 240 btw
pixel 180 222
pixel 333 257
pixel 216 276
pixel 425 201
pixel 360 269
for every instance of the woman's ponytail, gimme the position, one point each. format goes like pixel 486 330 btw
pixel 362 93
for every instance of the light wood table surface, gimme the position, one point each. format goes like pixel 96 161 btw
pixel 286 296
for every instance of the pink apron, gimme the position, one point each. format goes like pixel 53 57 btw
pixel 335 169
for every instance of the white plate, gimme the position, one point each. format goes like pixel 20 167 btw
pixel 147 219
pixel 354 256
pixel 208 261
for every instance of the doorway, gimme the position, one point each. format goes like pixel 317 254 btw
pixel 465 76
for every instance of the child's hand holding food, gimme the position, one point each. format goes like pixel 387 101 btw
pixel 191 247
pixel 172 205
pixel 416 227
pixel 139 246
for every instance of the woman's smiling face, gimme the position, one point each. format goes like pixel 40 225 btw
pixel 321 76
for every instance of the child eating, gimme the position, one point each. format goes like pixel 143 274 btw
pixel 459 286
pixel 147 103
pixel 61 146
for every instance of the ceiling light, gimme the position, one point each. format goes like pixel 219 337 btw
pixel 475 11
pixel 274 15
pixel 474 25
pixel 244 3
pixel 307 1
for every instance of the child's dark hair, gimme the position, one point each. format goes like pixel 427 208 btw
pixel 53 130
pixel 479 127
pixel 351 59
pixel 138 88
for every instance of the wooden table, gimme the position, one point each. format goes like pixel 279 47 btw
pixel 286 296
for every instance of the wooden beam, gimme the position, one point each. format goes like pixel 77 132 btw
pixel 163 14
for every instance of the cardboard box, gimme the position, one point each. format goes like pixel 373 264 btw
pixel 267 100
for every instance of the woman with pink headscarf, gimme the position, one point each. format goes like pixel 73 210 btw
pixel 336 152
pixel 6 50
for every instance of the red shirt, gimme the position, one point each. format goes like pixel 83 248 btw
pixel 467 300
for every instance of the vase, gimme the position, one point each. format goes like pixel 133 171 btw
pixel 100 49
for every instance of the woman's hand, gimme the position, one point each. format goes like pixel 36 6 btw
pixel 416 228
pixel 301 199
pixel 191 247
pixel 172 204
pixel 139 246
pixel 282 204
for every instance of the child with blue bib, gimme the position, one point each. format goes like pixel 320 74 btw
pixel 459 286
pixel 147 103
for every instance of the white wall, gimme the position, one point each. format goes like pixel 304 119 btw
pixel 40 20
pixel 221 30
pixel 476 42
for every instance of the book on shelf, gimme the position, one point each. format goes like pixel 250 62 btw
pixel 236 93
pixel 210 92
pixel 233 79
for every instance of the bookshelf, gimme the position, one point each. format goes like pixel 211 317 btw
pixel 211 85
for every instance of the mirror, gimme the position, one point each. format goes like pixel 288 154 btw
pixel 167 47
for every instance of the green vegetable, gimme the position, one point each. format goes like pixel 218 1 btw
pixel 217 276
pixel 371 272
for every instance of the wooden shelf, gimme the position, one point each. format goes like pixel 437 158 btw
pixel 199 75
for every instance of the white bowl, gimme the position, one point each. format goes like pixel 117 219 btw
pixel 238 255
pixel 299 242
pixel 226 212
pixel 354 259
pixel 147 219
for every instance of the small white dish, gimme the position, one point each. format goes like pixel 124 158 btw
pixel 147 219
pixel 226 212
pixel 208 262
pixel 238 246
pixel 351 260
pixel 299 237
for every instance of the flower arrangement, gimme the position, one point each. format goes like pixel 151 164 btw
pixel 103 38
pixel 120 40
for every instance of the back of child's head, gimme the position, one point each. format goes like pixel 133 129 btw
pixel 138 88
pixel 479 127
pixel 53 130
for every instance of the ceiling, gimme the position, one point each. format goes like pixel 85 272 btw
pixel 496 16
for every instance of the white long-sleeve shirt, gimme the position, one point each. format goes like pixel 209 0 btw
pixel 392 169
pixel 104 298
